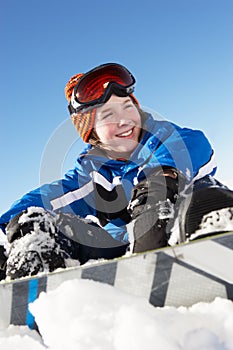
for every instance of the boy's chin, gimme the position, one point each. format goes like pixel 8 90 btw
pixel 125 146
pixel 121 153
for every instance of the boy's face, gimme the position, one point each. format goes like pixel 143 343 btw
pixel 118 126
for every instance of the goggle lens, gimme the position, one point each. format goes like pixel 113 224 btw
pixel 93 86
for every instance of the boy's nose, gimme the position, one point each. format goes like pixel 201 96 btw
pixel 122 122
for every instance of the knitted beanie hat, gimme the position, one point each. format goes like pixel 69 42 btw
pixel 84 121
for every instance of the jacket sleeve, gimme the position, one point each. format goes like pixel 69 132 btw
pixel 192 153
pixel 46 194
pixel 185 149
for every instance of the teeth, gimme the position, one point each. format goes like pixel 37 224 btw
pixel 127 133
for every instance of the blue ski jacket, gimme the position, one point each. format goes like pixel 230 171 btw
pixel 96 181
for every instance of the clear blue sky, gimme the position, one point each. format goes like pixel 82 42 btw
pixel 181 52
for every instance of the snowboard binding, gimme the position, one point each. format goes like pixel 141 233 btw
pixel 207 210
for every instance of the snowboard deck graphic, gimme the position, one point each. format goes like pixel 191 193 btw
pixel 173 276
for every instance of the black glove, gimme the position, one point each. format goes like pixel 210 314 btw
pixel 152 207
pixel 158 187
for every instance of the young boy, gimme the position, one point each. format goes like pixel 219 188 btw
pixel 135 177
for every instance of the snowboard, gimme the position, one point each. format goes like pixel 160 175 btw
pixel 173 276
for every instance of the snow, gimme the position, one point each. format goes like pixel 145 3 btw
pixel 88 315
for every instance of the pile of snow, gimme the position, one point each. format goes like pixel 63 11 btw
pixel 88 315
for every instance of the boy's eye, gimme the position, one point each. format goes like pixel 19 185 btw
pixel 106 116
pixel 128 105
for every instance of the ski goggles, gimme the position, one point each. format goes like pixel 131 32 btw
pixel 96 86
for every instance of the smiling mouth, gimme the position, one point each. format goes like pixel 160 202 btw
pixel 126 133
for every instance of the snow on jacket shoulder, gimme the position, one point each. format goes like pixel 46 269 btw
pixel 100 188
